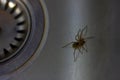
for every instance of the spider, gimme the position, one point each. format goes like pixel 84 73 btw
pixel 80 43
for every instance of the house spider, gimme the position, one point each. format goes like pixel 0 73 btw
pixel 80 43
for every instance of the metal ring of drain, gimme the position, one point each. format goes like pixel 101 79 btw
pixel 32 42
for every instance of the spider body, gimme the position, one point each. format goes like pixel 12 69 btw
pixel 80 43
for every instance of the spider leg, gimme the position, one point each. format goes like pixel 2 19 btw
pixel 82 32
pixel 77 55
pixel 74 55
pixel 85 30
pixel 77 36
pixel 67 44
pixel 91 37
pixel 84 48
pixel 80 51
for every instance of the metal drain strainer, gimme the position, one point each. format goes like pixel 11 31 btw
pixel 14 28
pixel 22 30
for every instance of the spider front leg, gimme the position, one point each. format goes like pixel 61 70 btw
pixel 82 31
pixel 77 37
pixel 67 44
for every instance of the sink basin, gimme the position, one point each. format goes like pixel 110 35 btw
pixel 66 17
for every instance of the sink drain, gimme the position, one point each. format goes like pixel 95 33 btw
pixel 22 33
pixel 14 28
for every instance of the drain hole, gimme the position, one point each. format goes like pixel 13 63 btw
pixel 13 9
pixel 6 6
pixel 21 23
pixel 18 39
pixel 5 51
pixel 18 15
pixel 13 46
pixel 21 31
